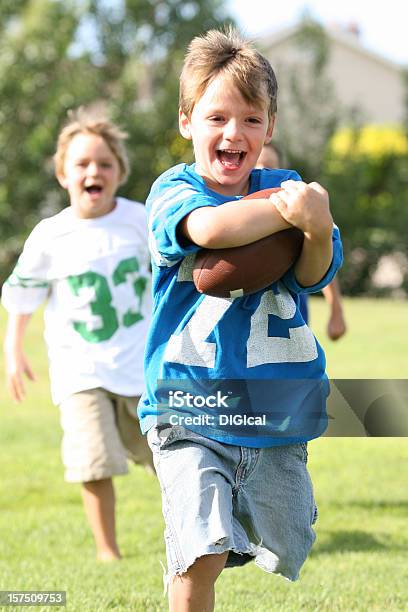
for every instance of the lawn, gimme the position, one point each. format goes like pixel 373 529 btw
pixel 376 343
pixel 359 561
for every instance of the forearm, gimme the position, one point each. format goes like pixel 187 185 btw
pixel 233 224
pixel 16 327
pixel 314 260
pixel 332 294
pixel 16 363
pixel 336 324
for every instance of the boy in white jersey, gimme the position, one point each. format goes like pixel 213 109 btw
pixel 91 263
pixel 232 492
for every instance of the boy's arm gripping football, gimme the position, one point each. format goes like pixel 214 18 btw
pixel 306 206
pixel 233 224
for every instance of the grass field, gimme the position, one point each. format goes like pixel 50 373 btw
pixel 359 561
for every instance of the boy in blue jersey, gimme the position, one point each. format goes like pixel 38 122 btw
pixel 233 489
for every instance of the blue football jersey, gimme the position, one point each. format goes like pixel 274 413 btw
pixel 242 370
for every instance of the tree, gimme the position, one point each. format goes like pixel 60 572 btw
pixel 60 54
pixel 35 70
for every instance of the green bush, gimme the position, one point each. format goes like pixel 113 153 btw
pixel 366 174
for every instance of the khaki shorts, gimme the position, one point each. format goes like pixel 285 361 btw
pixel 101 431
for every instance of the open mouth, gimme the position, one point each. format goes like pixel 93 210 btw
pixel 230 158
pixel 93 189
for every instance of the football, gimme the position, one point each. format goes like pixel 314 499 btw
pixel 238 271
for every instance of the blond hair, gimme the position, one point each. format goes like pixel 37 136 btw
pixel 227 53
pixel 88 121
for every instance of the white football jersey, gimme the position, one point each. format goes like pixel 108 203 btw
pixel 95 276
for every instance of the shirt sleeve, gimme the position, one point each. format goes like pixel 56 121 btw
pixel 268 177
pixel 173 196
pixel 27 286
pixel 289 278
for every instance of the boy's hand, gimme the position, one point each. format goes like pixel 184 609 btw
pixel 336 326
pixel 305 206
pixel 16 366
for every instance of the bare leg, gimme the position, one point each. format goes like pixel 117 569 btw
pixel 99 502
pixel 194 590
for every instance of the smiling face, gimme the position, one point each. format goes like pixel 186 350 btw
pixel 91 174
pixel 228 134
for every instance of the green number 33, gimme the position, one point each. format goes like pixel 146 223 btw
pixel 102 305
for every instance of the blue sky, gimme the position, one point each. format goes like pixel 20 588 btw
pixel 383 25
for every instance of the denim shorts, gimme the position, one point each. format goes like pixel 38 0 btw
pixel 256 503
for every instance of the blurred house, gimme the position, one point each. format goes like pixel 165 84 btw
pixel 362 79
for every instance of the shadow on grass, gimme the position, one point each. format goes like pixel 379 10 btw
pixel 379 504
pixel 353 541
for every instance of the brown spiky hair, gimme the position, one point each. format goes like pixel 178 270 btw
pixel 92 121
pixel 226 52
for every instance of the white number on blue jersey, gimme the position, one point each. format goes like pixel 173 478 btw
pixel 262 348
pixel 190 347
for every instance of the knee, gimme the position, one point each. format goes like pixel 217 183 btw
pixel 206 569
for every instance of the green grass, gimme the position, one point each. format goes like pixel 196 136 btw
pixel 359 561
pixel 375 345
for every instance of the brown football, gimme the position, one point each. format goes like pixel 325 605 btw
pixel 238 271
